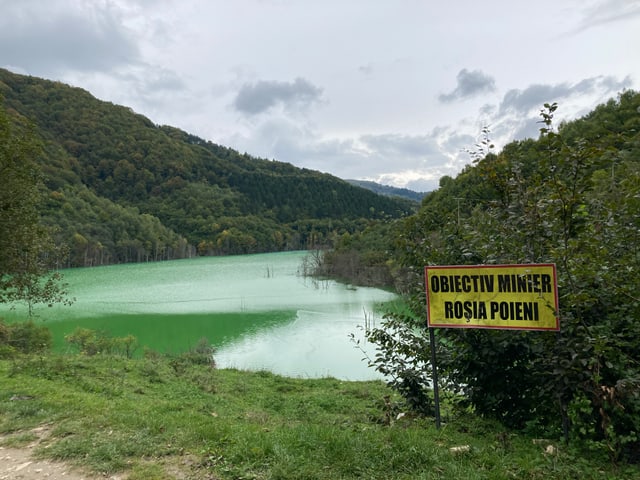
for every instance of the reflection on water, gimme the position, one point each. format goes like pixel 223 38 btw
pixel 316 344
pixel 256 309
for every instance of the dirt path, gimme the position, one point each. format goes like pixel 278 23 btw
pixel 19 464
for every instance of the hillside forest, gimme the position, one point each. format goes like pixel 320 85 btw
pixel 571 197
pixel 118 188
pixel 85 182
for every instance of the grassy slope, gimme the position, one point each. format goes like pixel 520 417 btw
pixel 150 416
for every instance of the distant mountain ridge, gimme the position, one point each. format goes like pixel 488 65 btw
pixel 389 190
pixel 120 188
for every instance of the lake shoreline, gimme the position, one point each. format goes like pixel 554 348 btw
pixel 257 311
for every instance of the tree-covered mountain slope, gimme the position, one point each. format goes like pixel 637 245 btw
pixel 120 188
pixel 570 198
pixel 500 200
pixel 389 190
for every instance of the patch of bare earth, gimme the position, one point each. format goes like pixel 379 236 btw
pixel 19 463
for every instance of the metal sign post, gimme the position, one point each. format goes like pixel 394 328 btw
pixel 508 297
pixel 434 369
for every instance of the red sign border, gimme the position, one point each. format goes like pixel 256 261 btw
pixel 493 327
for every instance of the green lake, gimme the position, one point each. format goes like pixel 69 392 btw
pixel 258 311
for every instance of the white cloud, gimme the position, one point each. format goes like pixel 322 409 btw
pixel 361 89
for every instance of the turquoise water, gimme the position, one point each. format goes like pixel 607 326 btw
pixel 256 310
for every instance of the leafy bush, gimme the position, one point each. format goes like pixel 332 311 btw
pixel 92 342
pixel 89 342
pixel 571 198
pixel 403 358
pixel 201 354
pixel 24 337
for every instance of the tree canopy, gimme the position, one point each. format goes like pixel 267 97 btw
pixel 570 197
pixel 121 188
pixel 27 251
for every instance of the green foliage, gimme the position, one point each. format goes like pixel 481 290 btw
pixel 121 189
pixel 364 257
pixel 201 354
pixel 27 251
pixel 140 418
pixel 403 358
pixel 99 231
pixel 91 342
pixel 23 337
pixel 570 198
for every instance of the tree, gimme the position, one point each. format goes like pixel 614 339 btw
pixel 27 251
pixel 568 198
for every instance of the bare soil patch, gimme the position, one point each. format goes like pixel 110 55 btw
pixel 19 463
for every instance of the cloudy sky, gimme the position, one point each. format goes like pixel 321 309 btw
pixel 393 91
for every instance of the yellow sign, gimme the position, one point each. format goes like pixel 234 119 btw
pixel 517 297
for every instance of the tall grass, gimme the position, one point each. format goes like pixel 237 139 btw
pixel 152 417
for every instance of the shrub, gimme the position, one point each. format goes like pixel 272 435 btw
pixel 201 354
pixel 24 337
pixel 90 342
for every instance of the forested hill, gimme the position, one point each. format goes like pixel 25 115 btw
pixel 389 190
pixel 120 188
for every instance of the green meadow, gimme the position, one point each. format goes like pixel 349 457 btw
pixel 176 417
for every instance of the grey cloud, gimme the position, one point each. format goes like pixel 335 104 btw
pixel 517 116
pixel 421 185
pixel 155 88
pixel 419 181
pixel 375 156
pixel 456 142
pixel 487 109
pixel 366 69
pixel 54 39
pixel 608 11
pixel 470 83
pixel 160 79
pixel 529 128
pixel 396 146
pixel 522 101
pixel 534 96
pixel 255 98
